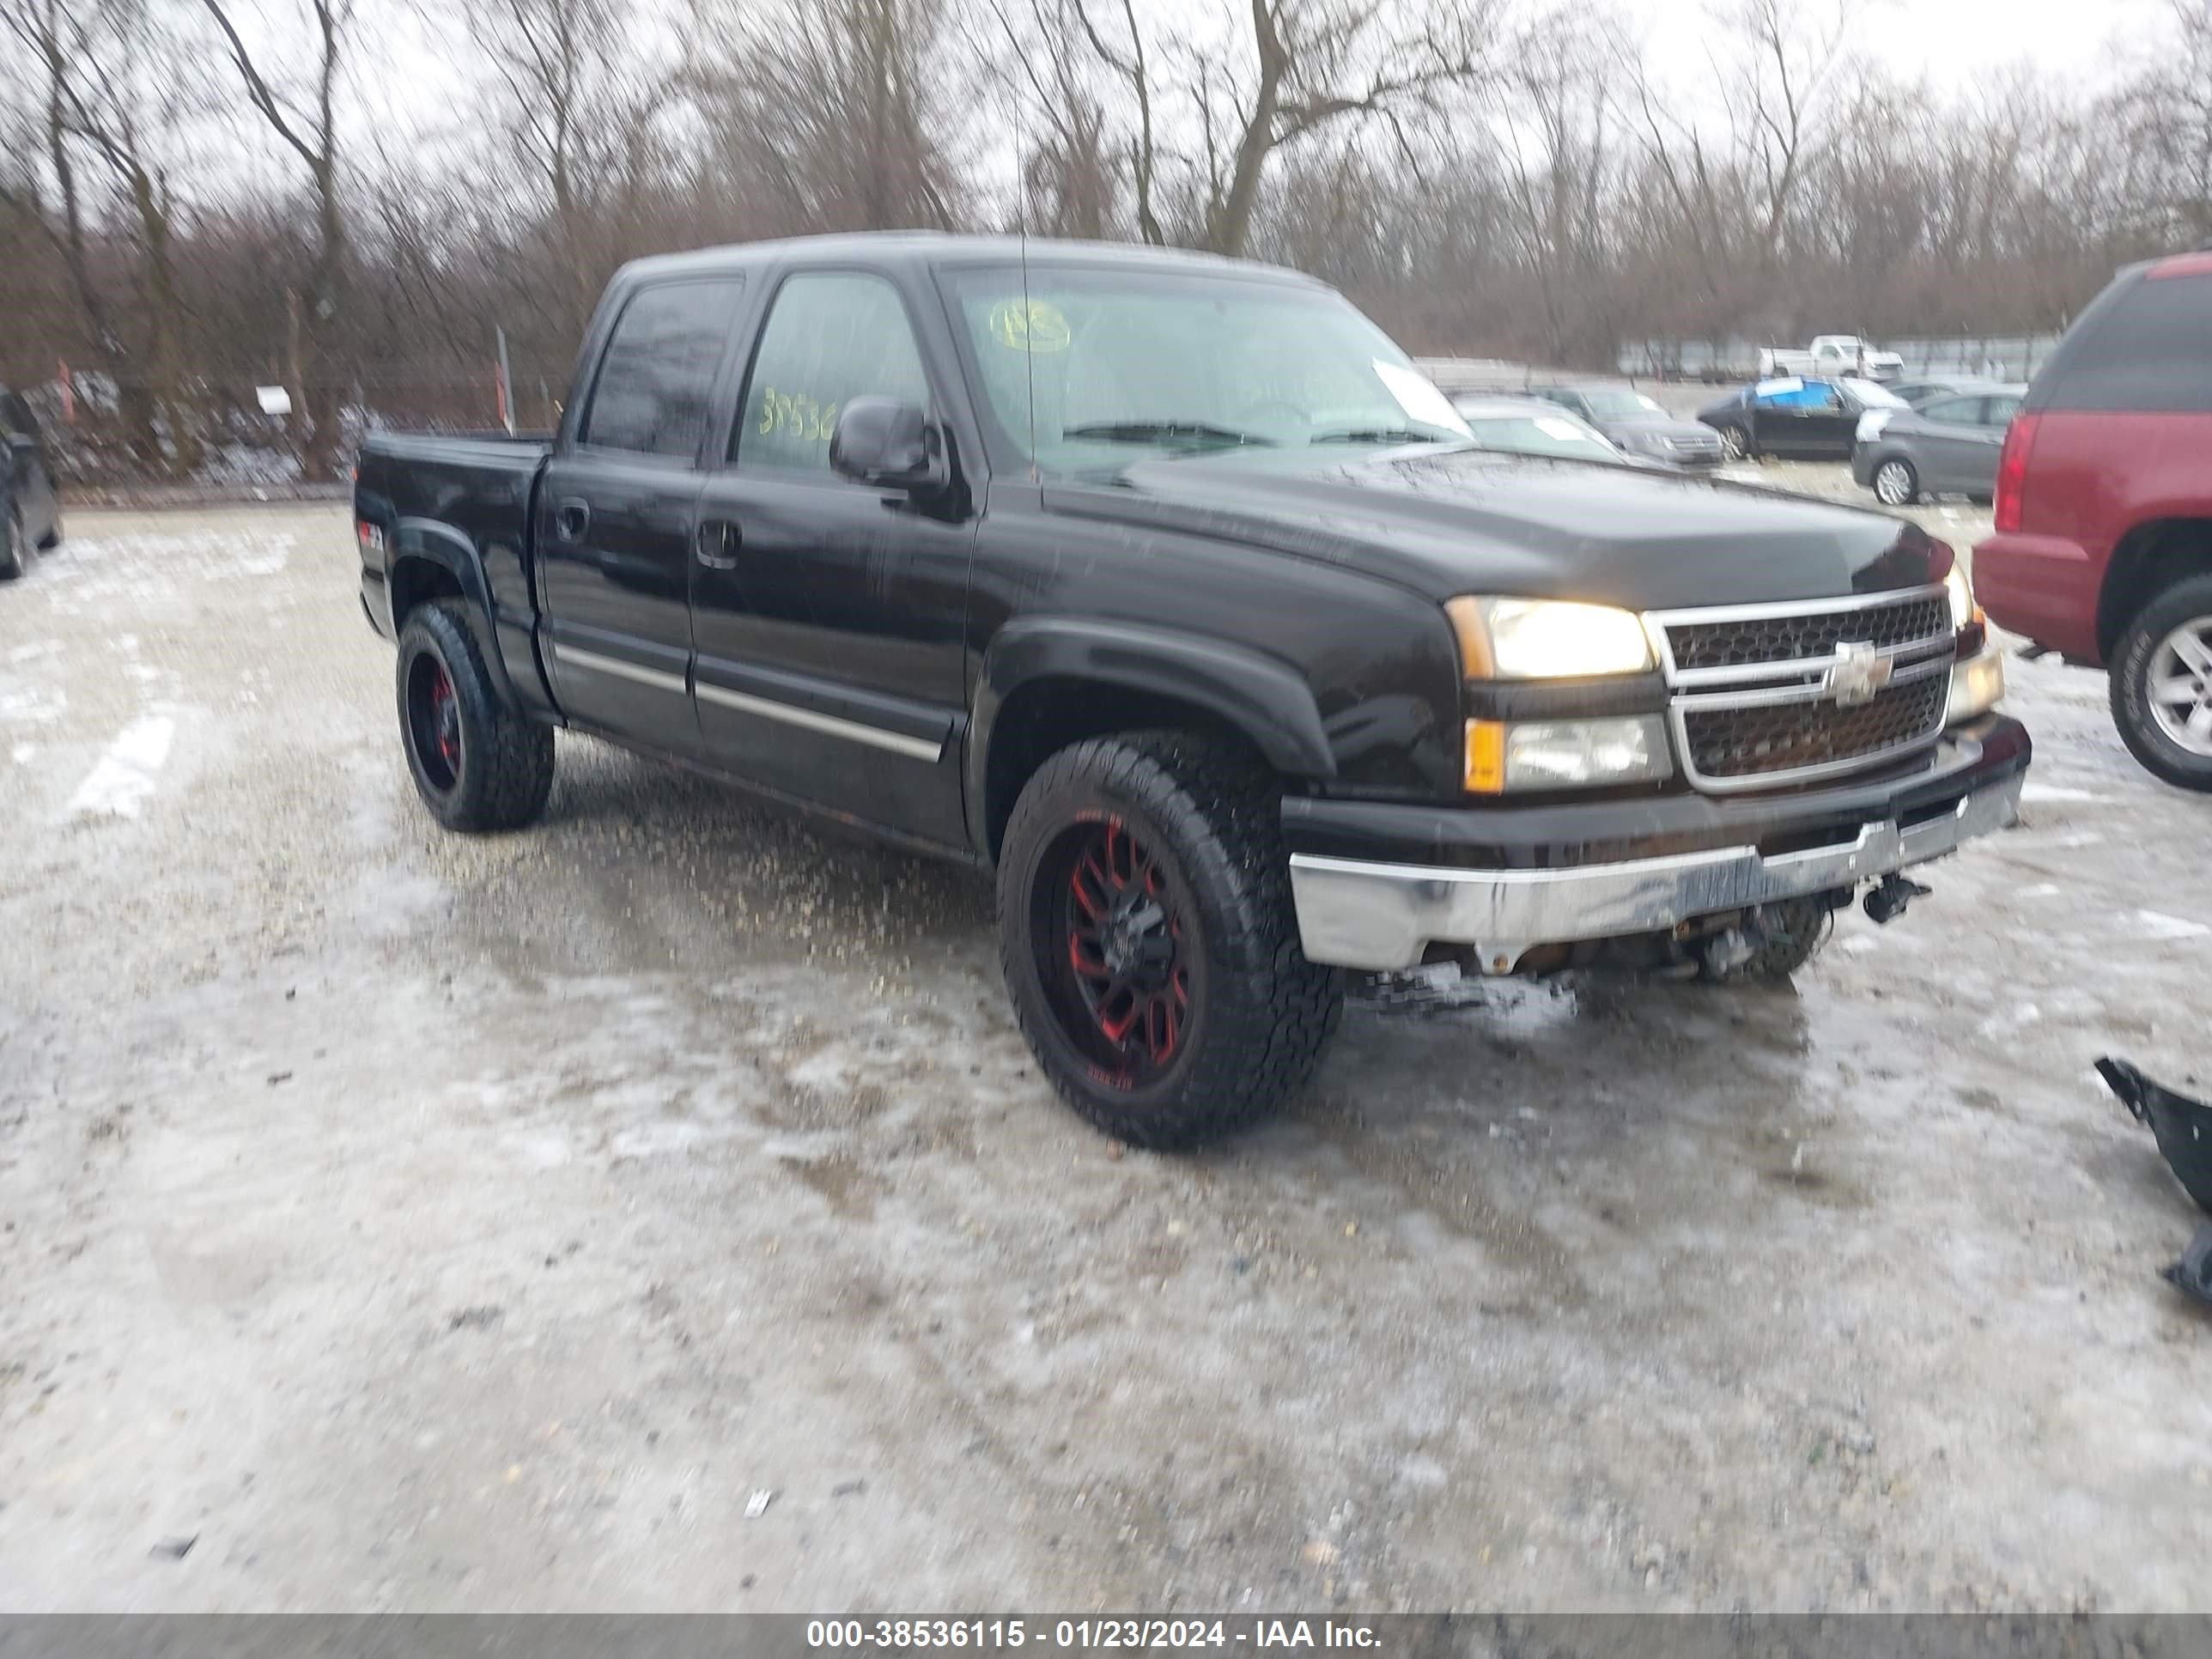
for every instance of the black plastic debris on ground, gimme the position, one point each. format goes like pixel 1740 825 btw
pixel 2182 1129
pixel 173 1549
pixel 2192 1274
pixel 2182 1126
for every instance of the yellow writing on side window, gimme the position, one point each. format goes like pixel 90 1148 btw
pixel 797 414
pixel 1031 326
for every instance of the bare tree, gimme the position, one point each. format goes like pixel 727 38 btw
pixel 1071 172
pixel 1297 68
pixel 115 101
pixel 309 129
pixel 839 116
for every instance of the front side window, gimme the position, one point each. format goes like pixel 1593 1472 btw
pixel 1083 371
pixel 832 336
pixel 656 382
pixel 1999 411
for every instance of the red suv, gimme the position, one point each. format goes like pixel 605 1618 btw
pixel 2103 549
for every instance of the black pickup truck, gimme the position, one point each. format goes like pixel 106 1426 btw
pixel 1166 587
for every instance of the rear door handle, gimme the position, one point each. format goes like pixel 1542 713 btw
pixel 571 518
pixel 715 543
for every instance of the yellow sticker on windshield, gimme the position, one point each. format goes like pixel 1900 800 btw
pixel 1029 325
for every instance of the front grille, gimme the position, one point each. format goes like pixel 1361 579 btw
pixel 1792 736
pixel 1763 695
pixel 1747 641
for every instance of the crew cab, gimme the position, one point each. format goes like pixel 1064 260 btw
pixel 2103 550
pixel 1166 589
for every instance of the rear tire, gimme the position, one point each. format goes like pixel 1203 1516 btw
pixel 2161 685
pixel 1735 442
pixel 13 547
pixel 1149 940
pixel 479 764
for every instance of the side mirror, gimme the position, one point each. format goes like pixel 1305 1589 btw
pixel 889 444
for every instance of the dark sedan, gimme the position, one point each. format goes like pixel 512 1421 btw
pixel 1946 446
pixel 1637 423
pixel 30 512
pixel 1796 417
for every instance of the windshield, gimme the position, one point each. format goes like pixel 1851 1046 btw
pixel 1871 395
pixel 1539 434
pixel 1126 364
pixel 1620 404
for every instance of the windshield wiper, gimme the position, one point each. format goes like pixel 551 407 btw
pixel 1376 434
pixel 1153 431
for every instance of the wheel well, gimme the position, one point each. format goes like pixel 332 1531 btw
pixel 2148 559
pixel 1043 716
pixel 417 582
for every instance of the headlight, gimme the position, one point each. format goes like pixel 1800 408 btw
pixel 1964 610
pixel 1503 756
pixel 1546 639
pixel 1872 422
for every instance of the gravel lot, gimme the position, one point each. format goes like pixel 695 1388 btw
pixel 419 1223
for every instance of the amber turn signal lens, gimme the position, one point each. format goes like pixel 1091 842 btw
pixel 1486 758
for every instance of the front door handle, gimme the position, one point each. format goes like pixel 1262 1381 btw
pixel 571 518
pixel 715 543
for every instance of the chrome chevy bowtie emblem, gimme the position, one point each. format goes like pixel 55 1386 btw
pixel 1860 671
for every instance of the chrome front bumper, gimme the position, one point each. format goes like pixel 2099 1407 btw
pixel 1381 917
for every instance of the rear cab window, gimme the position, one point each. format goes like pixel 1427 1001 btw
pixel 2145 346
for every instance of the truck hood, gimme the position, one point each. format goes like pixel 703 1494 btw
pixel 1445 521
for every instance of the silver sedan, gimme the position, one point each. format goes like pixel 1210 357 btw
pixel 1946 446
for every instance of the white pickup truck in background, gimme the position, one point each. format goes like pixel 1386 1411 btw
pixel 1831 354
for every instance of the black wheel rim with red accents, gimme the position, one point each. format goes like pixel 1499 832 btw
pixel 1116 949
pixel 433 721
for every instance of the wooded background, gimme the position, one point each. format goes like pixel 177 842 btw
pixel 198 196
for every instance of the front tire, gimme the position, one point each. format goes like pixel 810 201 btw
pixel 13 547
pixel 1149 941
pixel 1895 482
pixel 1735 442
pixel 479 764
pixel 1796 928
pixel 2161 685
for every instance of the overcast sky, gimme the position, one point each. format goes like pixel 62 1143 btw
pixel 1953 42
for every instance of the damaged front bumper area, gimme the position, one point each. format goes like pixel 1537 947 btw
pixel 1379 887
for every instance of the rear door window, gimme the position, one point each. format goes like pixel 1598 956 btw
pixel 656 382
pixel 2145 347
pixel 1999 411
pixel 1954 411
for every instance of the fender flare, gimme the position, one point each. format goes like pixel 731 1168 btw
pixel 1263 697
pixel 431 542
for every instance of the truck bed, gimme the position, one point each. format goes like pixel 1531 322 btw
pixel 464 500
